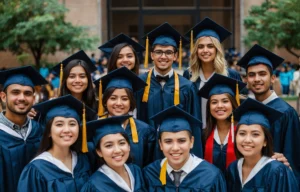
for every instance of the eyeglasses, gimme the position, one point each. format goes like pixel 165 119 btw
pixel 159 53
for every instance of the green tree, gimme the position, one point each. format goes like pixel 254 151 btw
pixel 276 23
pixel 39 27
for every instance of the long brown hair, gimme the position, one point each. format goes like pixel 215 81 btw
pixel 47 142
pixel 112 62
pixel 110 91
pixel 210 120
pixel 88 96
pixel 266 151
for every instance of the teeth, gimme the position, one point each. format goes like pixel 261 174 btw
pixel 117 157
pixel 175 155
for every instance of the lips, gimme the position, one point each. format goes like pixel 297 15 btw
pixel 66 137
pixel 118 157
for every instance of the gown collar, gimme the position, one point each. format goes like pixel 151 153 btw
pixel 117 179
pixel 13 133
pixel 259 165
pixel 217 137
pixel 48 157
pixel 270 98
pixel 170 73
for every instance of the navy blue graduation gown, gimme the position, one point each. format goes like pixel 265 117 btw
pixel 143 151
pixel 274 176
pixel 161 98
pixel 231 73
pixel 15 154
pixel 219 156
pixel 41 175
pixel 99 182
pixel 205 177
pixel 286 134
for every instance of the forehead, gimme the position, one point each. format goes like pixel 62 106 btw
pixel 77 69
pixel 19 87
pixel 175 135
pixel 257 68
pixel 219 96
pixel 126 49
pixel 163 47
pixel 205 40
pixel 112 138
pixel 250 128
pixel 119 92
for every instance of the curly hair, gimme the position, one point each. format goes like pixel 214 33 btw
pixel 220 63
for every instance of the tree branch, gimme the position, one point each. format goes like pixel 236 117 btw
pixel 291 51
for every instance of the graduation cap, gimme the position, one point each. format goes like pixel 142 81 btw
pixel 174 119
pixel 219 84
pixel 100 128
pixel 26 76
pixel 118 78
pixel 207 27
pixel 80 55
pixel 121 38
pixel 254 112
pixel 259 55
pixel 164 35
pixel 66 106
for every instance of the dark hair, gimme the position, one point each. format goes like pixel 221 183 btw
pixel 112 62
pixel 189 134
pixel 46 142
pixel 269 69
pixel 101 161
pixel 211 121
pixel 110 91
pixel 153 47
pixel 266 151
pixel 88 96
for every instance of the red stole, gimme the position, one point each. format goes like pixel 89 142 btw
pixel 209 146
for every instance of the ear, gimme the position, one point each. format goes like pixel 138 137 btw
pixel 152 55
pixel 3 96
pixel 192 142
pixel 176 55
pixel 98 151
pixel 273 78
pixel 160 145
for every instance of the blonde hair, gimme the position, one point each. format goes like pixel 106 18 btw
pixel 220 64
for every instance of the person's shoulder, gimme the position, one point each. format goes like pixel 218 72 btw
pixel 281 105
pixel 144 75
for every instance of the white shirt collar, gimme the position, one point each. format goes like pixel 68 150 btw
pixel 270 98
pixel 48 157
pixel 188 167
pixel 217 137
pixel 259 165
pixel 202 76
pixel 117 179
pixel 170 73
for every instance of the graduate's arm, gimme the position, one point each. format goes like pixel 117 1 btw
pixel 31 180
pixel 2 171
pixel 88 187
pixel 219 184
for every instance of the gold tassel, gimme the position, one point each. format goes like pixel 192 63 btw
pixel 134 133
pixel 147 88
pixel 100 106
pixel 176 89
pixel 232 128
pixel 84 147
pixel 146 53
pixel 180 54
pixel 61 73
pixel 237 94
pixel 163 173
pixel 192 42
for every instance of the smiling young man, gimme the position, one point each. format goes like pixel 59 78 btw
pixel 259 64
pixel 165 87
pixel 19 136
pixel 180 170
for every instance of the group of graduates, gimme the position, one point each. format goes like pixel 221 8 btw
pixel 158 131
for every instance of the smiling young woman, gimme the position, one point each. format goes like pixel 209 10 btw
pixel 115 172
pixel 255 170
pixel 219 131
pixel 59 164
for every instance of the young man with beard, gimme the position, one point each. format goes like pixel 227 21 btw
pixel 19 136
pixel 165 87
pixel 259 64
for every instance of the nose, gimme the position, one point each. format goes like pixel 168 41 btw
pixel 66 129
pixel 21 96
pixel 175 146
pixel 219 104
pixel 257 77
pixel 119 102
pixel 117 149
pixel 205 49
pixel 248 138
